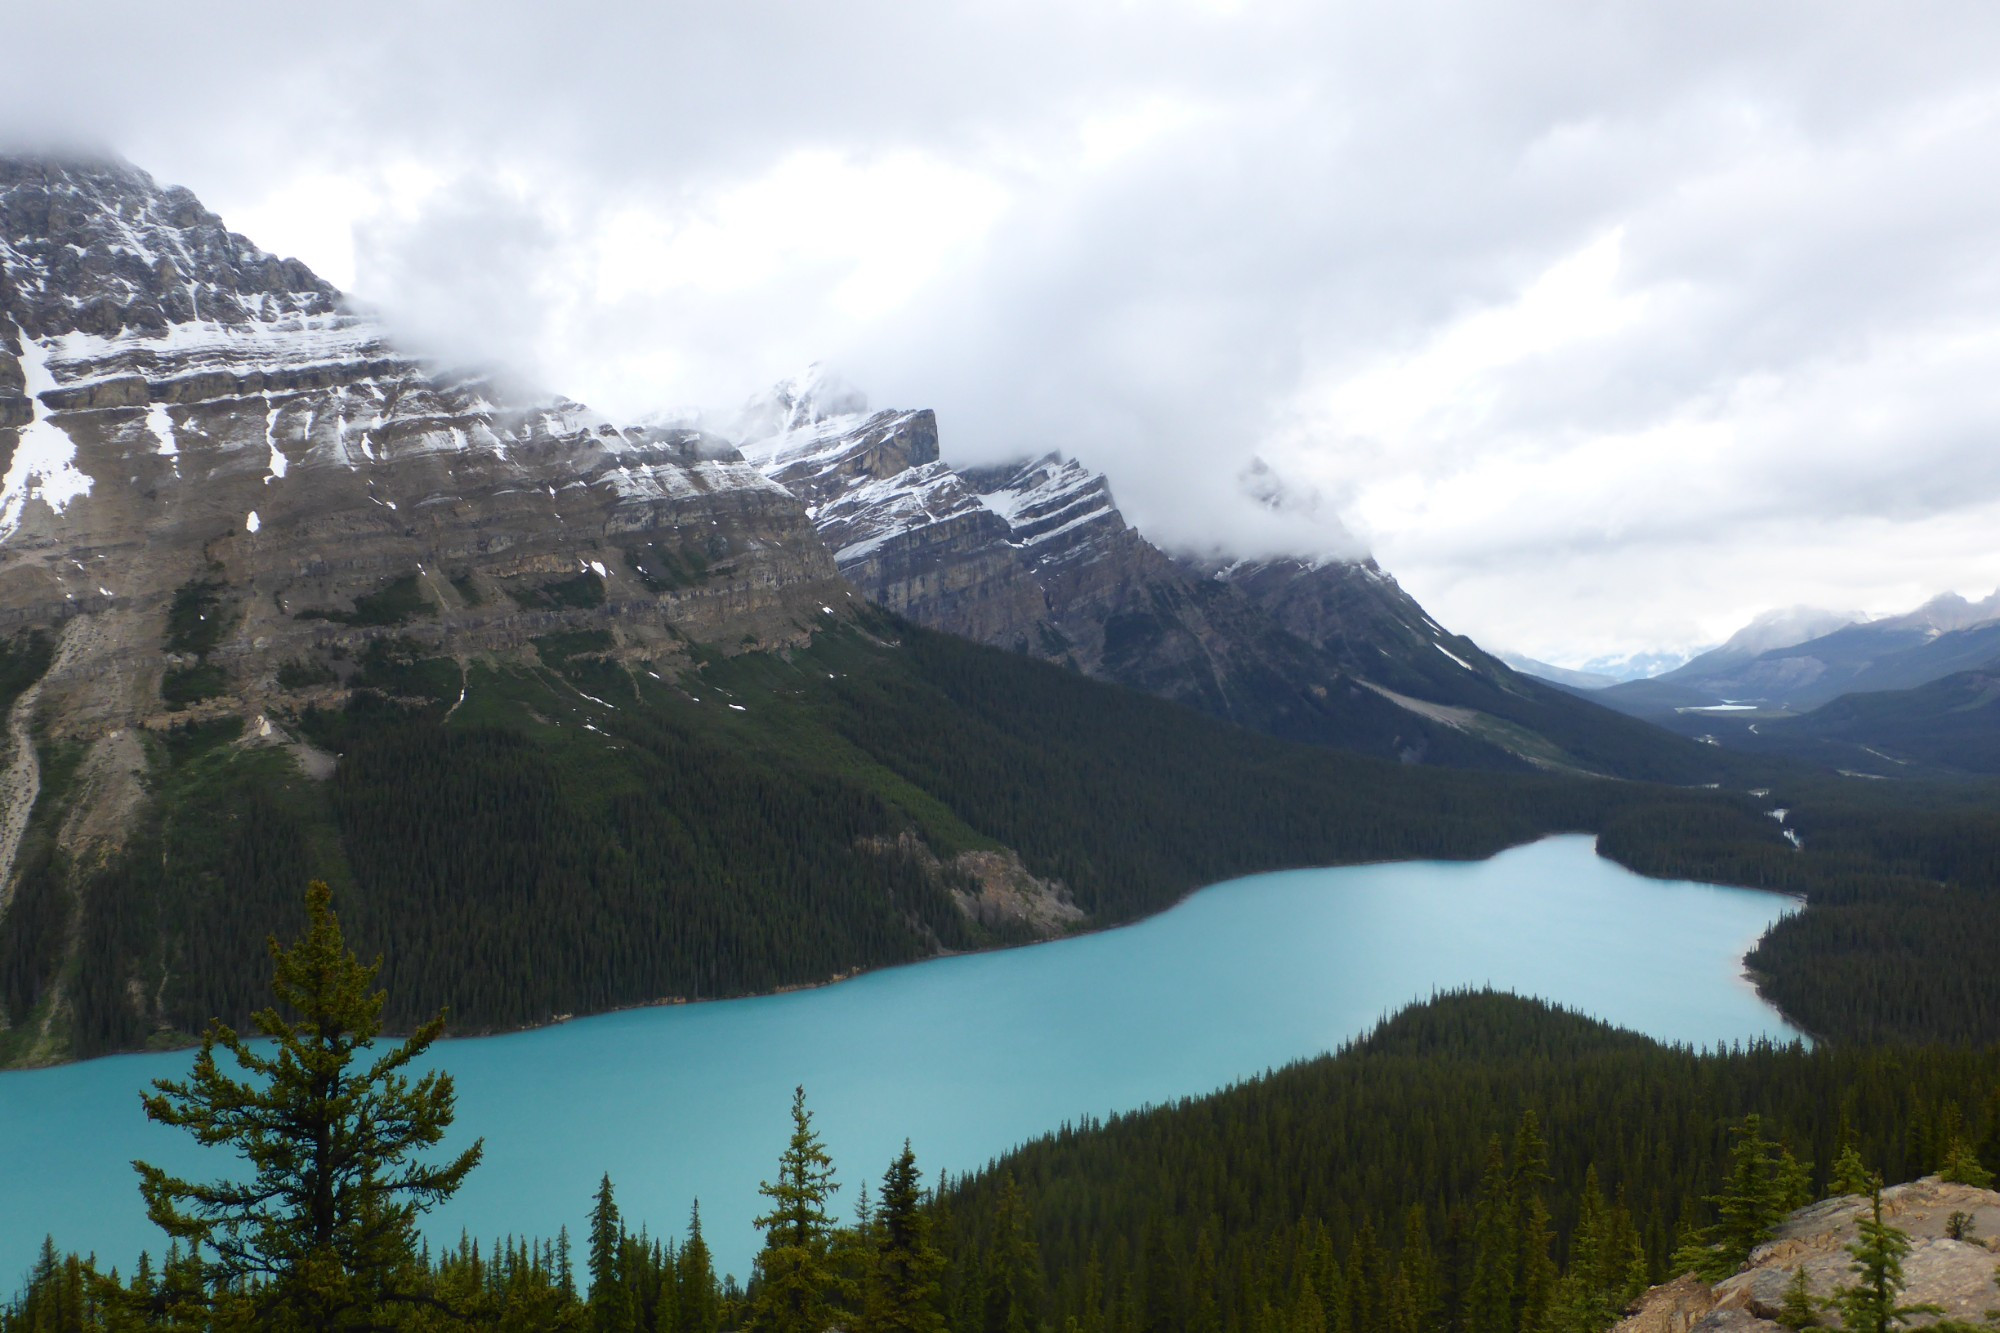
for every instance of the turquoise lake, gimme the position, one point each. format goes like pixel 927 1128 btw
pixel 965 1056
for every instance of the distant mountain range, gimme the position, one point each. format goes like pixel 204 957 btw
pixel 1882 697
pixel 1555 675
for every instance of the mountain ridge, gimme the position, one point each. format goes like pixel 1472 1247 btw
pixel 1034 556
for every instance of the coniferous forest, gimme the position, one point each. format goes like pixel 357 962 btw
pixel 585 834
pixel 1477 1164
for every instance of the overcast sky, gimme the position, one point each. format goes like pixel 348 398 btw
pixel 1603 325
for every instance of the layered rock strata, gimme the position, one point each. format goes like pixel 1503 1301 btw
pixel 213 469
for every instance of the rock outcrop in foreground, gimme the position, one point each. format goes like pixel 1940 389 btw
pixel 1956 1275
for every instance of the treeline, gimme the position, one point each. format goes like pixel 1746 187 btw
pixel 500 885
pixel 1903 886
pixel 1478 1164
pixel 583 834
pixel 1372 1175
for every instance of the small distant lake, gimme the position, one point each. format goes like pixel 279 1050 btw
pixel 964 1056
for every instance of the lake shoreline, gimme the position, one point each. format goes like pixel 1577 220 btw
pixel 967 1058
pixel 162 1044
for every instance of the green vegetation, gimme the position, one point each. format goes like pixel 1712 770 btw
pixel 197 619
pixel 586 833
pixel 182 686
pixel 395 603
pixel 31 950
pixel 663 568
pixel 798 1287
pixel 1903 882
pixel 305 675
pixel 1478 1164
pixel 581 590
pixel 323 1232
pixel 23 660
pixel 1379 1177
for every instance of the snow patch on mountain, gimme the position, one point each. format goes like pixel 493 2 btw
pixel 44 463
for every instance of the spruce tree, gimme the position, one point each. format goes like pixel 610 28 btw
pixel 1489 1295
pixel 1014 1268
pixel 903 1293
pixel 1536 1276
pixel 797 1290
pixel 697 1298
pixel 1204 1311
pixel 1797 1311
pixel 1989 1142
pixel 1850 1174
pixel 610 1303
pixel 322 1233
pixel 1581 1303
pixel 1764 1184
pixel 1868 1305
pixel 1963 1167
pixel 565 1271
pixel 1417 1268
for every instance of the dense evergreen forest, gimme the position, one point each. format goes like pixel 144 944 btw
pixel 584 834
pixel 1478 1164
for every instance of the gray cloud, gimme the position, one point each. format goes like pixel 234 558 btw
pixel 1607 326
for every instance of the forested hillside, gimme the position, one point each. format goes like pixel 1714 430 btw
pixel 1478 1164
pixel 584 834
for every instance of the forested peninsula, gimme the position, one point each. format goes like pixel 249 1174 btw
pixel 1477 1164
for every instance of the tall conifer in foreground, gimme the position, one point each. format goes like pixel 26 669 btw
pixel 322 1233
pixel 1868 1305
pixel 1489 1296
pixel 904 1294
pixel 610 1302
pixel 797 1288
pixel 694 1279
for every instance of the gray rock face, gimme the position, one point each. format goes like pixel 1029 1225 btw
pixel 1035 557
pixel 1351 609
pixel 1956 1275
pixel 188 411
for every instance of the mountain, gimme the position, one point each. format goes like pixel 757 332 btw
pixel 1035 557
pixel 1634 666
pixel 223 486
pixel 1766 632
pixel 574 714
pixel 1945 635
pixel 1950 724
pixel 1555 675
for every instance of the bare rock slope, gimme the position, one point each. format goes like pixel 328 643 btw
pixel 217 478
pixel 1036 557
pixel 1956 1275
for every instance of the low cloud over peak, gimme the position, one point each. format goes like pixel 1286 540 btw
pixel 1604 328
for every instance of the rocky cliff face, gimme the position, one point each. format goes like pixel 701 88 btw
pixel 219 485
pixel 1035 557
pixel 1956 1274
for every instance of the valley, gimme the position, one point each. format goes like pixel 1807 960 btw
pixel 680 763
pixel 969 1056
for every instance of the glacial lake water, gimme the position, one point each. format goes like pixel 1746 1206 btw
pixel 965 1056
